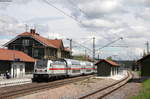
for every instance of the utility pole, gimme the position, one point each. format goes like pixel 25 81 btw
pixel 147 47
pixel 93 48
pixel 26 27
pixel 85 53
pixel 70 44
pixel 35 26
pixel 98 56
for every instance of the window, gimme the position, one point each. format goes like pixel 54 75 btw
pixel 76 71
pixel 41 63
pixel 36 53
pixel 26 51
pixel 58 63
pixel 88 64
pixel 21 67
pixel 25 42
pixel 75 63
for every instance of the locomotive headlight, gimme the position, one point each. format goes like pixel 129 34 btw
pixel 35 70
pixel 35 75
pixel 45 70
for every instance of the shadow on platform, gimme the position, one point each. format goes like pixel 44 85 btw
pixel 138 80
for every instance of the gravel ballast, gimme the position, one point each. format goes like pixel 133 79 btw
pixel 77 89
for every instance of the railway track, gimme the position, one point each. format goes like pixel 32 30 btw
pixel 101 93
pixel 36 87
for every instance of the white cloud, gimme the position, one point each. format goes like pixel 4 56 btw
pixel 2 42
pixel 107 19
pixel 98 23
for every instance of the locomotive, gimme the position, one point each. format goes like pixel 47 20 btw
pixel 49 69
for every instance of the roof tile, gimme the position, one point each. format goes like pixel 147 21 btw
pixel 11 55
pixel 57 43
pixel 108 61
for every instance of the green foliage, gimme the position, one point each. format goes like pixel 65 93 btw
pixel 81 57
pixel 109 58
pixel 139 73
pixel 145 93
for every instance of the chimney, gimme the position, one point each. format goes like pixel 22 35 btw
pixel 32 31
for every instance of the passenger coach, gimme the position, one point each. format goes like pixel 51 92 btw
pixel 47 69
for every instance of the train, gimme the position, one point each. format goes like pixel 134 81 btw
pixel 49 69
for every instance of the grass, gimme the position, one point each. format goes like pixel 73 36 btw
pixel 139 73
pixel 145 93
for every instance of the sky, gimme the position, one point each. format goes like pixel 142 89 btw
pixel 81 20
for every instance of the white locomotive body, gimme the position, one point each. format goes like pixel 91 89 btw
pixel 47 69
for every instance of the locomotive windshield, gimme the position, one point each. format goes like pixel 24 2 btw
pixel 41 63
pixel 88 64
pixel 58 63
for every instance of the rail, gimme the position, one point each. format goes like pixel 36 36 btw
pixel 103 92
pixel 36 87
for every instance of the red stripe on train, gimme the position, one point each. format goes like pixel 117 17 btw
pixel 69 68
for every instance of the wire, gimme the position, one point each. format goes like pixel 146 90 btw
pixel 71 2
pixel 82 45
pixel 75 19
pixel 119 46
pixel 70 16
pixel 108 44
pixel 86 41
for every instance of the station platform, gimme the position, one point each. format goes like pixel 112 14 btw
pixel 118 76
pixel 15 81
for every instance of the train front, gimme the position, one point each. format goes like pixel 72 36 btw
pixel 41 70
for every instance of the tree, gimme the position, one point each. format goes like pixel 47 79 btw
pixel 144 53
pixel 109 58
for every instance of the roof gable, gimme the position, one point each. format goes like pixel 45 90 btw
pixel 143 58
pixel 57 43
pixel 38 38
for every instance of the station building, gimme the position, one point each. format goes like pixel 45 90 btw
pixel 15 62
pixel 107 68
pixel 36 46
pixel 144 65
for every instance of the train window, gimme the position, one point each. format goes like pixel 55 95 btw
pixel 88 64
pixel 58 63
pixel 88 70
pixel 75 63
pixel 75 71
pixel 41 64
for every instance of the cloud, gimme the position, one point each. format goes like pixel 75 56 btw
pixel 9 25
pixel 21 1
pixel 2 42
pixel 100 24
pixel 138 2
pixel 106 19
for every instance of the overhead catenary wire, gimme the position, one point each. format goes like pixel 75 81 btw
pixel 86 40
pixel 72 2
pixel 97 51
pixel 109 43
pixel 70 16
pixel 82 46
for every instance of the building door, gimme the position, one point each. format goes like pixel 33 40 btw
pixel 17 70
pixel 21 70
pixel 13 70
